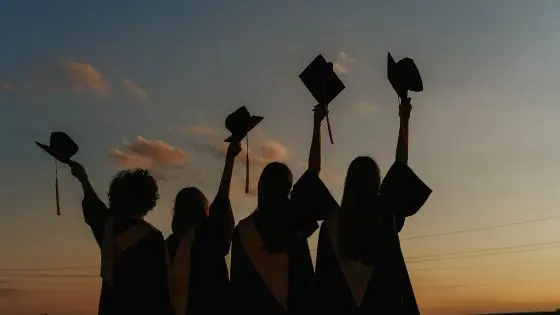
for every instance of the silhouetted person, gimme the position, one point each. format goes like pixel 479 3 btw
pixel 271 267
pixel 360 268
pixel 198 245
pixel 133 253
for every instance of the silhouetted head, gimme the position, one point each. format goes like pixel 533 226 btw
pixel 133 193
pixel 362 181
pixel 191 207
pixel 360 214
pixel 275 185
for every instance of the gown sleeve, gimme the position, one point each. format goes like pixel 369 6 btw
pixel 312 202
pixel 218 229
pixel 95 215
pixel 402 191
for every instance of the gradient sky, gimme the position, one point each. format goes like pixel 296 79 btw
pixel 483 133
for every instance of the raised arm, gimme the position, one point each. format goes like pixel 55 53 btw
pixel 314 163
pixel 233 150
pixel 402 143
pixel 95 211
pixel 221 215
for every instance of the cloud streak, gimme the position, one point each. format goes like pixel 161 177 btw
pixel 134 90
pixel 261 152
pixel 78 77
pixel 83 77
pixel 200 129
pixel 157 156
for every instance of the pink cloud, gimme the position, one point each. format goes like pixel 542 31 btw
pixel 154 155
pixel 73 76
pixel 134 90
pixel 265 152
pixel 83 77
pixel 260 154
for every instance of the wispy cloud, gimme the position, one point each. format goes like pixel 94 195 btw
pixel 342 63
pixel 261 152
pixel 73 76
pixel 200 129
pixel 134 90
pixel 366 108
pixel 157 156
pixel 83 77
pixel 77 77
pixel 265 152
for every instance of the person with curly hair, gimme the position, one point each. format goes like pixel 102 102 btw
pixel 133 253
pixel 197 247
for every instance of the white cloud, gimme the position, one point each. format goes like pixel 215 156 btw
pixel 342 62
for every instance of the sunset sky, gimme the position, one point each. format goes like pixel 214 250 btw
pixel 141 84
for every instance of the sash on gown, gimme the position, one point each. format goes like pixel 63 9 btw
pixel 272 267
pixel 179 272
pixel 113 247
pixel 357 275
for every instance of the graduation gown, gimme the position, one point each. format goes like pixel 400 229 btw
pixel 270 283
pixel 134 276
pixel 200 282
pixel 350 287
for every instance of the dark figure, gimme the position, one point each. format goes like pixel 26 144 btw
pixel 360 268
pixel 198 245
pixel 133 254
pixel 271 267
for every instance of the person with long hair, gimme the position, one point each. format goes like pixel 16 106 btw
pixel 199 242
pixel 360 268
pixel 271 266
pixel 133 254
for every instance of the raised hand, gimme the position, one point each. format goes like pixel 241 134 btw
pixel 320 112
pixel 78 171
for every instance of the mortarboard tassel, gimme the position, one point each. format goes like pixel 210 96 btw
pixel 56 188
pixel 247 166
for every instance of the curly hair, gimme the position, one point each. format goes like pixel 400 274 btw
pixel 133 192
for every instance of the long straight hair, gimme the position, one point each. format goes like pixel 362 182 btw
pixel 359 219
pixel 273 217
pixel 191 207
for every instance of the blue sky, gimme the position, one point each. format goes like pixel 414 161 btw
pixel 483 133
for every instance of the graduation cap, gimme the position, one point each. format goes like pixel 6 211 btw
pixel 323 83
pixel 403 192
pixel 403 76
pixel 62 148
pixel 239 123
